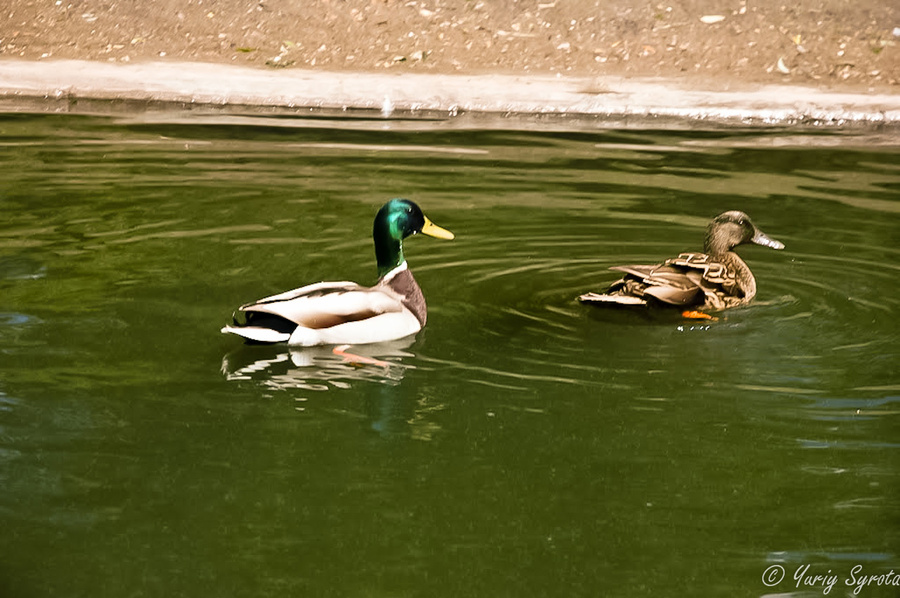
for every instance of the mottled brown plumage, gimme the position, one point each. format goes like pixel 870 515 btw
pixel 713 280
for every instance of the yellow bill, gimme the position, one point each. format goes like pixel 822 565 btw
pixel 433 230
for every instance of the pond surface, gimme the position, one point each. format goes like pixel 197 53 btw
pixel 522 444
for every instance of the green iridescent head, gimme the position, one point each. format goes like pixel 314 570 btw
pixel 396 220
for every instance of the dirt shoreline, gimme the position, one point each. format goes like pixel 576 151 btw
pixel 837 45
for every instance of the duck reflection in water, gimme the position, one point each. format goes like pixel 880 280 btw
pixel 319 368
pixel 386 410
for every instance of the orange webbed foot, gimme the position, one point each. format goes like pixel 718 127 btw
pixel 341 351
pixel 697 315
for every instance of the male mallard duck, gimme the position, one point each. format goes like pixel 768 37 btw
pixel 337 313
pixel 713 280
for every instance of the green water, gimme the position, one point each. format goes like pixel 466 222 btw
pixel 521 445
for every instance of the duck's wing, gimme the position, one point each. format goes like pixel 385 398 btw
pixel 325 304
pixel 725 281
pixel 314 309
pixel 669 284
pixel 691 279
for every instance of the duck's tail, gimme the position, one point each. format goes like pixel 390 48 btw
pixel 260 327
pixel 612 300
pixel 257 334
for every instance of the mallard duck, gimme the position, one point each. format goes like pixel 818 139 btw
pixel 345 313
pixel 713 280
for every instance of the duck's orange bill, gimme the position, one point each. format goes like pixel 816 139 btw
pixel 698 315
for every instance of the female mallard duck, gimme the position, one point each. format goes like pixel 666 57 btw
pixel 713 280
pixel 336 313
